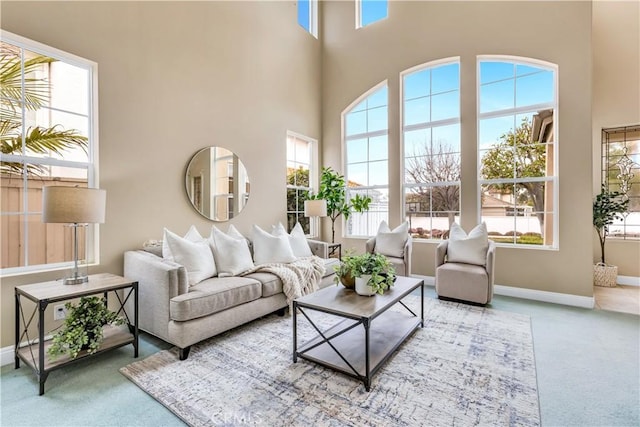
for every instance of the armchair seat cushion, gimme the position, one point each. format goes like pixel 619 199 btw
pixel 214 295
pixel 466 282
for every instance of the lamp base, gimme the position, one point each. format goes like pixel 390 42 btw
pixel 78 280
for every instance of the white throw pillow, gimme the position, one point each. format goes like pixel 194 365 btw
pixel 299 243
pixel 230 252
pixel 469 249
pixel 297 239
pixel 391 242
pixel 195 256
pixel 268 248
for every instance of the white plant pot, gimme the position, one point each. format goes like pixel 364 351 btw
pixel 362 286
pixel 605 275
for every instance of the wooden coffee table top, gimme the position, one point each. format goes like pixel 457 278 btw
pixel 347 303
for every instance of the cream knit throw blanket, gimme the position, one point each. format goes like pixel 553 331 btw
pixel 300 277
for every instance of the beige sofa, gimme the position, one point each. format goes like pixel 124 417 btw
pixel 183 315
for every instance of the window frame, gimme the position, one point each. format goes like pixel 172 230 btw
pixel 506 112
pixel 314 222
pixel 345 159
pixel 91 165
pixel 428 125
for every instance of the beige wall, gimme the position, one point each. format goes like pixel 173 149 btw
pixel 175 77
pixel 616 100
pixel 418 32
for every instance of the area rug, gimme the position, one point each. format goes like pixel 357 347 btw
pixel 468 366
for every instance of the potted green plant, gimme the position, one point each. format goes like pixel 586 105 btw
pixel 373 273
pixel 607 206
pixel 83 327
pixel 344 269
pixel 333 189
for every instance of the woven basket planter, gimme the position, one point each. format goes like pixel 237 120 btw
pixel 605 275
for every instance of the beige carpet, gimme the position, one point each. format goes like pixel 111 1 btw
pixel 468 366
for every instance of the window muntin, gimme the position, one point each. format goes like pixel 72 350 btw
pixel 621 172
pixel 431 146
pixel 366 160
pixel 308 16
pixel 301 161
pixel 370 11
pixel 517 151
pixel 47 100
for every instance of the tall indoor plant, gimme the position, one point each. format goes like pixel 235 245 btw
pixel 333 189
pixel 607 206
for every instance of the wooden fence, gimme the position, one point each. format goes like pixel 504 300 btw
pixel 45 243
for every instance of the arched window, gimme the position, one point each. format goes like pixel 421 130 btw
pixel 365 148
pixel 431 146
pixel 517 150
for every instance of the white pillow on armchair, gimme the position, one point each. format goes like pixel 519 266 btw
pixel 468 249
pixel 391 242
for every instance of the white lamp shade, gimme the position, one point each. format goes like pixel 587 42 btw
pixel 73 205
pixel 315 208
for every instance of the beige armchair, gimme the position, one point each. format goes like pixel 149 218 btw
pixel 402 264
pixel 466 282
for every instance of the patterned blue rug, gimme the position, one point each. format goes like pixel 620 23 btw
pixel 468 366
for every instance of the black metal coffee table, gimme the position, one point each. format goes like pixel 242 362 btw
pixel 351 350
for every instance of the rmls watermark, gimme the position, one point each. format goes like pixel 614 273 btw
pixel 236 418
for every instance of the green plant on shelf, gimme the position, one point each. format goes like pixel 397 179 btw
pixel 83 327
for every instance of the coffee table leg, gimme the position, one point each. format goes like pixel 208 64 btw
pixel 295 332
pixel 422 305
pixel 367 379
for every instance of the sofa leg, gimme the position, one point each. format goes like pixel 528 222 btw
pixel 184 353
pixel 281 312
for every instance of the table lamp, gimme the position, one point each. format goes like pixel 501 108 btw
pixel 78 207
pixel 315 208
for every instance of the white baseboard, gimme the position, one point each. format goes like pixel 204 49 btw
pixel 6 355
pixel 532 294
pixel 629 280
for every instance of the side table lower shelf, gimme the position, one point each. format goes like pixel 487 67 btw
pixel 114 336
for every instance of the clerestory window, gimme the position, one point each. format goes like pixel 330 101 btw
pixel 308 16
pixel 370 11
pixel 48 102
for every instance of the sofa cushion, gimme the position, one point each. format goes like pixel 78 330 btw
pixel 214 295
pixel 329 263
pixel 271 284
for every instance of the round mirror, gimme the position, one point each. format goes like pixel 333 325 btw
pixel 217 183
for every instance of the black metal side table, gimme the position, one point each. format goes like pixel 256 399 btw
pixel 42 294
pixel 333 248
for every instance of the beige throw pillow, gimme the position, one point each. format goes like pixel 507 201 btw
pixel 468 249
pixel 391 242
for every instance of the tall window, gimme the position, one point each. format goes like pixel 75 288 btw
pixel 366 160
pixel 431 142
pixel 621 173
pixel 47 100
pixel 370 11
pixel 517 100
pixel 308 16
pixel 301 167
